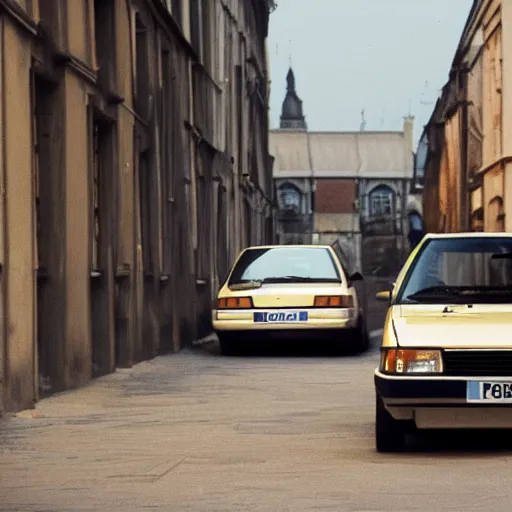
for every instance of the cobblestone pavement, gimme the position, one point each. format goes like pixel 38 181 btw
pixel 287 431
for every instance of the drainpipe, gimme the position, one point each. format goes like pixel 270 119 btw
pixel 465 198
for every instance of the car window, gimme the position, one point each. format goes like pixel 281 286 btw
pixel 461 262
pixel 285 264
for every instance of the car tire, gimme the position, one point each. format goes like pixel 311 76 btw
pixel 361 340
pixel 389 433
pixel 227 345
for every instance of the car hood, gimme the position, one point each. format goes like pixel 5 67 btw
pixel 479 326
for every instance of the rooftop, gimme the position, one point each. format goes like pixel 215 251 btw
pixel 299 151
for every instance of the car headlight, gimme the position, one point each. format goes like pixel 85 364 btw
pixel 400 361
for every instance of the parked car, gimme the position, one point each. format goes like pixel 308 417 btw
pixel 446 354
pixel 289 291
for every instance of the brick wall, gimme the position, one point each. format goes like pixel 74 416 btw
pixel 335 196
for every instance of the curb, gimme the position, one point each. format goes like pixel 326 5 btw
pixel 211 338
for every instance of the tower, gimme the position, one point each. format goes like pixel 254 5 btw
pixel 292 116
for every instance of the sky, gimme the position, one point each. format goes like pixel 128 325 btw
pixel 388 57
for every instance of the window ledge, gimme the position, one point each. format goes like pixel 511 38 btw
pixel 122 274
pixel 18 14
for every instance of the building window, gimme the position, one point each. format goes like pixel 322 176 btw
pixel 95 198
pixel 289 197
pixel 204 206
pixel 49 19
pixel 100 163
pixel 104 42
pixel 165 145
pixel 195 25
pixel 176 11
pixel 43 101
pixel 381 201
pixel 142 68
pixel 146 205
pixel 208 34
pixel 37 135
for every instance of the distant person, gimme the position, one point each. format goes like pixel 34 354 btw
pixel 416 229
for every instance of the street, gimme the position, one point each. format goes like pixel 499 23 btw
pixel 287 430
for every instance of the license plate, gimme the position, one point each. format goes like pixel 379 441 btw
pixel 289 317
pixel 489 391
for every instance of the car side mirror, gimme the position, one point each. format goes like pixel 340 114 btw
pixel 356 276
pixel 383 296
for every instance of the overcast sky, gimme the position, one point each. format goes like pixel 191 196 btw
pixel 386 56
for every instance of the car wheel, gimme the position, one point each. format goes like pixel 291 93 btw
pixel 389 433
pixel 227 345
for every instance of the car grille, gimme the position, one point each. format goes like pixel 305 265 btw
pixel 478 363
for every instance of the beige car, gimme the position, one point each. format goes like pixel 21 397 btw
pixel 446 354
pixel 278 292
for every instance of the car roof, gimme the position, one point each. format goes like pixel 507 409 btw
pixel 304 246
pixel 468 235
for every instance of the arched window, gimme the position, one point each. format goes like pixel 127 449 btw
pixel 381 201
pixel 289 197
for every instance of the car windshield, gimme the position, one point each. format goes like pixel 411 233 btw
pixel 461 270
pixel 285 264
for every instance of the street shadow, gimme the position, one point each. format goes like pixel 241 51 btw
pixel 303 348
pixel 460 443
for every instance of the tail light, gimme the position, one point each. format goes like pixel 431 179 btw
pixel 235 303
pixel 334 301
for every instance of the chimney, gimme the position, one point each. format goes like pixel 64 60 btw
pixel 409 139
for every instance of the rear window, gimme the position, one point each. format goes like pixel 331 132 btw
pixel 285 264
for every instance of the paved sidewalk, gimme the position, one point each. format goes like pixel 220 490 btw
pixel 190 432
pixel 194 432
pixel 197 432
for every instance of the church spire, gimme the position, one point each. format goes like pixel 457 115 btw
pixel 290 80
pixel 292 116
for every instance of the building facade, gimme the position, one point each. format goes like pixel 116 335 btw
pixel 468 169
pixel 134 166
pixel 354 187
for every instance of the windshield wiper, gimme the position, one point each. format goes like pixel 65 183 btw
pixel 300 279
pixel 440 292
pixel 434 292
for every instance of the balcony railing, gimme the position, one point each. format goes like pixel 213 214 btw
pixel 381 225
pixel 295 223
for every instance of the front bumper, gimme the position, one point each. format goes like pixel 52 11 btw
pixel 396 389
pixel 441 402
pixel 318 319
